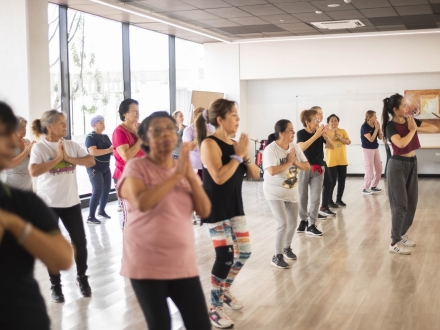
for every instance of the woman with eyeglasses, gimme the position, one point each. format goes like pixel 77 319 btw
pixel 159 250
pixel 311 140
pixel 28 230
pixel 17 175
pixel 126 144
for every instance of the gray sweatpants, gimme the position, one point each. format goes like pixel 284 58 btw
pixel 310 183
pixel 286 214
pixel 403 194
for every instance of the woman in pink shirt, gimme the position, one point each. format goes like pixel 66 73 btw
pixel 158 252
pixel 125 142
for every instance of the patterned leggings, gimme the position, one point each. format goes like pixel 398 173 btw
pixel 228 234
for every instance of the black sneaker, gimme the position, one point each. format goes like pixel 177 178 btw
pixel 327 212
pixel 278 262
pixel 375 189
pixel 302 226
pixel 341 203
pixel 57 293
pixel 312 230
pixel 83 284
pixel 333 205
pixel 104 215
pixel 93 220
pixel 288 254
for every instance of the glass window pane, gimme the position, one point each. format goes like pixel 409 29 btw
pixel 54 55
pixel 149 65
pixel 189 74
pixel 95 71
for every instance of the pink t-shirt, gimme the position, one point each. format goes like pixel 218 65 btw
pixel 159 243
pixel 120 137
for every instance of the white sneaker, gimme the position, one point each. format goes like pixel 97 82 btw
pixel 119 209
pixel 399 249
pixel 407 242
pixel 231 301
pixel 219 319
pixel 367 192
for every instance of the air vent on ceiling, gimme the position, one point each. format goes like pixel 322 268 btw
pixel 333 25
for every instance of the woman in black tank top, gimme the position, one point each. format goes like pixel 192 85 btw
pixel 224 164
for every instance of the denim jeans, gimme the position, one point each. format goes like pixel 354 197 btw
pixel 101 182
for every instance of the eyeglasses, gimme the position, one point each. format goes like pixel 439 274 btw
pixel 159 130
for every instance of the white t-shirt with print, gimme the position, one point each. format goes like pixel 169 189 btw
pixel 57 187
pixel 282 186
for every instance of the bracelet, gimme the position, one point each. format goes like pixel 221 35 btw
pixel 237 158
pixel 247 162
pixel 27 230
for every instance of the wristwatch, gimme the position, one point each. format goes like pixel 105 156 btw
pixel 247 162
pixel 238 159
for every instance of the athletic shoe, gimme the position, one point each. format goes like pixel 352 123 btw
pixel 321 216
pixel 231 301
pixel 57 293
pixel 302 226
pixel 367 192
pixel 278 262
pixel 407 242
pixel 219 319
pixel 327 212
pixel 313 231
pixel 119 209
pixel 93 220
pixel 288 254
pixel 375 189
pixel 83 284
pixel 104 215
pixel 333 205
pixel 399 249
pixel 341 203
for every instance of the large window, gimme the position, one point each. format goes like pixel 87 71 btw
pixel 189 74
pixel 149 64
pixel 54 56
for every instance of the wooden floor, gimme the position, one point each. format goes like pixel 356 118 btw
pixel 345 279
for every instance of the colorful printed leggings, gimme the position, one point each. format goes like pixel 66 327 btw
pixel 232 247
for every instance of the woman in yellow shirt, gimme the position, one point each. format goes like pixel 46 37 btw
pixel 336 159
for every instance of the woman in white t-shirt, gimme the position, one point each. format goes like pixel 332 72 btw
pixel 282 159
pixel 53 161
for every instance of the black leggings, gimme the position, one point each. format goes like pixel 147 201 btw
pixel 338 173
pixel 186 293
pixel 71 218
pixel 326 188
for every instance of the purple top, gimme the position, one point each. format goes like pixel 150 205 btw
pixel 189 134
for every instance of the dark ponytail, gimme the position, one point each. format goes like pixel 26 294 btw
pixel 280 127
pixel 389 103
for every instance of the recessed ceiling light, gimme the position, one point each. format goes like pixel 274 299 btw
pixel 333 5
pixel 318 12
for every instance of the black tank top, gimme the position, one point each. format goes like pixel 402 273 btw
pixel 226 199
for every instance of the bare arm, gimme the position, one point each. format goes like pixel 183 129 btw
pixel 39 169
pixel 252 171
pixel 305 166
pixel 54 251
pixel 274 170
pixel 328 142
pixel 87 161
pixel 126 152
pixel 372 137
pixel 427 128
pixel 202 204
pixel 99 152
pixel 19 159
pixel 192 145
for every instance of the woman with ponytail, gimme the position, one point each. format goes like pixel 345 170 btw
pixel 282 159
pixel 311 140
pixel 224 164
pixel 402 182
pixel 370 132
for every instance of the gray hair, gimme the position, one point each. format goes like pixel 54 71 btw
pixel 21 119
pixel 39 126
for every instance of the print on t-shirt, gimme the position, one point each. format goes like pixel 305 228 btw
pixel 291 175
pixel 62 167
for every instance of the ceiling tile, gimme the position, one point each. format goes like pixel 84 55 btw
pixel 251 35
pixel 436 8
pixel 345 14
pixel 391 27
pixel 362 4
pixel 421 26
pixel 246 2
pixel 277 19
pixel 393 20
pixel 297 27
pixel 414 10
pixel 207 4
pixel 221 22
pixel 251 29
pixel 437 17
pixel 263 10
pixel 167 5
pixel 407 2
pixel 323 5
pixel 418 19
pixel 248 20
pixel 278 34
pixel 230 12
pixel 379 12
pixel 312 17
pixel 297 7
pixel 434 1
pixel 196 14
